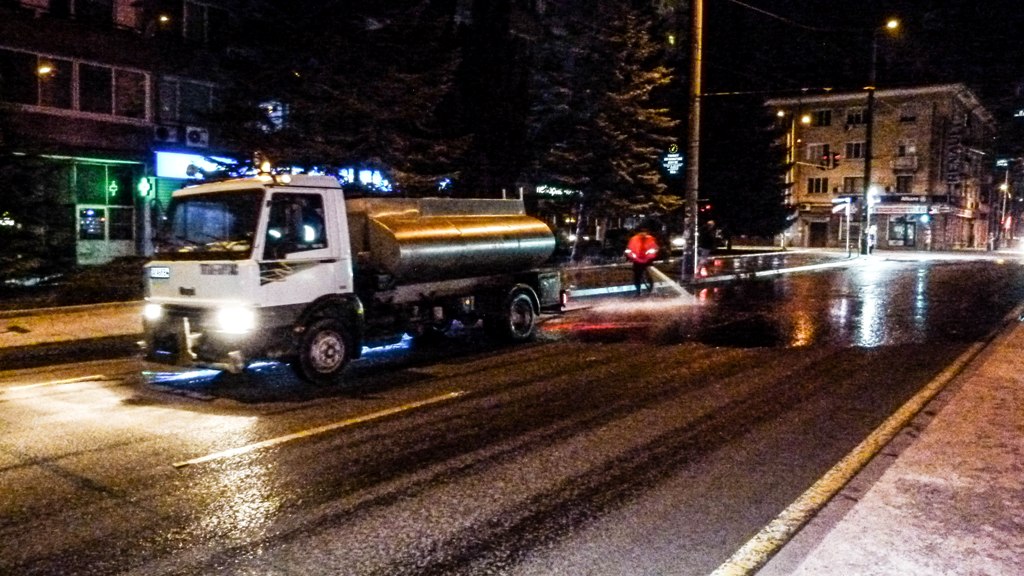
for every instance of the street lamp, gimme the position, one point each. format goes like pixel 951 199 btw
pixel 869 118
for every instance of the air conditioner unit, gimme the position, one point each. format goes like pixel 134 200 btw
pixel 166 134
pixel 197 137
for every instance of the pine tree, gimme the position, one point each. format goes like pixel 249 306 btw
pixel 594 122
pixel 353 84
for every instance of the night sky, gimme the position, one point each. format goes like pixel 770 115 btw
pixel 819 43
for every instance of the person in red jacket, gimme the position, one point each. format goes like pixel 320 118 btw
pixel 641 250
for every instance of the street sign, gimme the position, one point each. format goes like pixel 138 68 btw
pixel 673 160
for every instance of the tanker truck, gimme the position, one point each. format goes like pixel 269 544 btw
pixel 286 268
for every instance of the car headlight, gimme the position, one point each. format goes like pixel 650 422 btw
pixel 235 319
pixel 152 312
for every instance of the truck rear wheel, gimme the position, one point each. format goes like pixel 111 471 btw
pixel 517 322
pixel 324 350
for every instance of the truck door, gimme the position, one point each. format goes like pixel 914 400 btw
pixel 300 250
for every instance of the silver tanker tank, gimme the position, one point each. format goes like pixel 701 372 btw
pixel 426 239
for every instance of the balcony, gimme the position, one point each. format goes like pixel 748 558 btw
pixel 904 163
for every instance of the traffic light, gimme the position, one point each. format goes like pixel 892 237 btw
pixel 823 162
pixel 835 159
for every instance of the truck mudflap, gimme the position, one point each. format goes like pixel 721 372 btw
pixel 550 295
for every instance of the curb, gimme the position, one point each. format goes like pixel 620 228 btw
pixel 37 355
pixel 67 309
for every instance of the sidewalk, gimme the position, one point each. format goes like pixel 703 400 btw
pixel 945 496
pixel 34 337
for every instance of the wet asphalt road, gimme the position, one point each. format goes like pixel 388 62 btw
pixel 640 436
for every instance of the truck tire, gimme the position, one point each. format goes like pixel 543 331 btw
pixel 324 350
pixel 518 320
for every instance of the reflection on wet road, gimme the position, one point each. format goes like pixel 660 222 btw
pixel 878 303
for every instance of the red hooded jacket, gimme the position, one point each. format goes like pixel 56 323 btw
pixel 642 248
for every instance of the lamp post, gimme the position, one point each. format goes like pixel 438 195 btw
pixel 869 119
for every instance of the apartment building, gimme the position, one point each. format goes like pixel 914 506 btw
pixel 931 168
pixel 104 103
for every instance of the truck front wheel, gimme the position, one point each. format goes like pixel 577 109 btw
pixel 324 350
pixel 517 323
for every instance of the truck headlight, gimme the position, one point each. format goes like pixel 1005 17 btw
pixel 152 312
pixel 235 319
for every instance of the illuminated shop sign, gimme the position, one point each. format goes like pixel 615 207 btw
pixel 545 190
pixel 188 166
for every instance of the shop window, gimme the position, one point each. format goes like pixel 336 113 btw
pixel 105 185
pixel 902 232
pixel 91 184
pixel 122 223
pixel 92 224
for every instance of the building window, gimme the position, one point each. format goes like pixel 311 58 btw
pixel 908 113
pixel 97 89
pixel 184 101
pixel 904 184
pixel 18 71
pixel 855 149
pixel 854 116
pixel 123 13
pixel 95 11
pixel 819 153
pixel 204 23
pixel 55 83
pixel 853 184
pixel 39 80
pixel 817 185
pixel 906 148
pixel 821 118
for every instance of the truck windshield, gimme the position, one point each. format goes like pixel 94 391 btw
pixel 205 226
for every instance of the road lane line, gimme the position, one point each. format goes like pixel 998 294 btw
pixel 318 430
pixel 766 543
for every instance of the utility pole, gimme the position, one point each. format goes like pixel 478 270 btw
pixel 693 130
pixel 869 118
